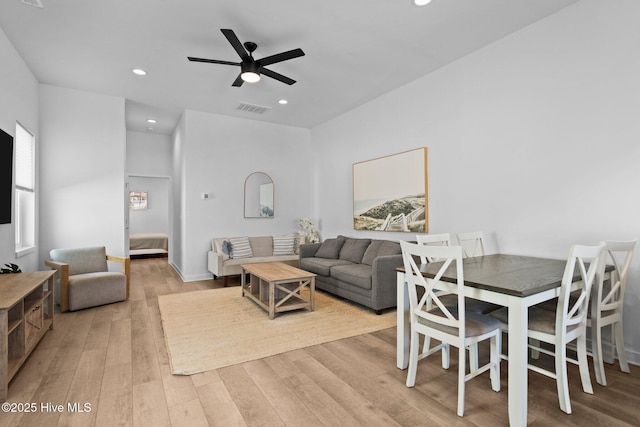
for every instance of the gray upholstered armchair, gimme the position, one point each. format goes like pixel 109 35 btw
pixel 84 279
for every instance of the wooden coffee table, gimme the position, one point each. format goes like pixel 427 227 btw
pixel 277 287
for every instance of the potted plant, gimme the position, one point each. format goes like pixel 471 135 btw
pixel 308 231
pixel 10 268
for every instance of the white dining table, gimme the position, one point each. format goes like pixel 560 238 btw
pixel 513 281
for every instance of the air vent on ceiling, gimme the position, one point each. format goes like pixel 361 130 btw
pixel 252 108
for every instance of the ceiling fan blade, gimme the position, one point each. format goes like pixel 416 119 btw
pixel 235 42
pixel 238 81
pixel 211 61
pixel 277 76
pixel 279 57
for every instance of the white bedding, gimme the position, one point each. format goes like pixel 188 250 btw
pixel 148 243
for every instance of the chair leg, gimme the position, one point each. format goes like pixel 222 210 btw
pixel 535 354
pixel 496 344
pixel 622 354
pixel 427 344
pixel 596 349
pixel 583 364
pixel 562 383
pixel 413 358
pixel 462 370
pixel 446 357
pixel 473 357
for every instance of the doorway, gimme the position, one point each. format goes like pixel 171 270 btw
pixel 149 220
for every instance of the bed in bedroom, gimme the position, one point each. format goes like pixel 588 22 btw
pixel 148 244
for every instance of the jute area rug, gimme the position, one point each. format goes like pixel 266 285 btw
pixel 206 330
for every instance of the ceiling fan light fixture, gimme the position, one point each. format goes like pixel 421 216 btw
pixel 250 68
pixel 250 71
pixel 250 76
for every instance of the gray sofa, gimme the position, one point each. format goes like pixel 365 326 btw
pixel 360 270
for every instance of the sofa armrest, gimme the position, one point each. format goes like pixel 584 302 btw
pixel 126 268
pixel 308 250
pixel 383 286
pixel 63 275
pixel 215 263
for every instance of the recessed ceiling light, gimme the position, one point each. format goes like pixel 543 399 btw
pixel 139 71
pixel 421 2
pixel 283 102
pixel 149 128
pixel 152 121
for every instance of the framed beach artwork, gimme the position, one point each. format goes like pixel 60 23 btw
pixel 390 193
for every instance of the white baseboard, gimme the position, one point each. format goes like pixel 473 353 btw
pixel 633 357
pixel 192 278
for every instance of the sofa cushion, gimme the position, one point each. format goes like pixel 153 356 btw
pixel 240 247
pixel 322 266
pixel 283 245
pixel 82 260
pixel 380 248
pixel 330 248
pixel 356 274
pixel 261 246
pixel 353 249
pixel 93 289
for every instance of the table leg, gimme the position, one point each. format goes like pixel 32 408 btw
pixel 518 374
pixel 312 293
pixel 243 280
pixel 272 301
pixel 403 328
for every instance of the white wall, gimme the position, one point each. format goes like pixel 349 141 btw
pixel 18 102
pixel 218 154
pixel 177 243
pixel 83 148
pixel 533 139
pixel 148 154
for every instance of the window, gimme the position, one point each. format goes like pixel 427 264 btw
pixel 25 191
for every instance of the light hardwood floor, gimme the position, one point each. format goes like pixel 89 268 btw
pixel 114 359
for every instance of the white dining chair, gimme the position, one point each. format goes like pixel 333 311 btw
pixel 607 303
pixel 567 324
pixel 441 239
pixel 482 307
pixel 472 243
pixel 451 326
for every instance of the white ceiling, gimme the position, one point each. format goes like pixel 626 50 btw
pixel 356 50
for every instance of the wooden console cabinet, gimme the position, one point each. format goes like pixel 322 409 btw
pixel 26 313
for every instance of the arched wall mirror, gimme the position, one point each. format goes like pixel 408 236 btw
pixel 258 196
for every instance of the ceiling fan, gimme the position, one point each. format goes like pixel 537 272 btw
pixel 250 68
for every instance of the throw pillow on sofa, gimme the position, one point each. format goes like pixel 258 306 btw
pixel 380 248
pixel 354 249
pixel 330 248
pixel 240 247
pixel 283 245
pixel 226 248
